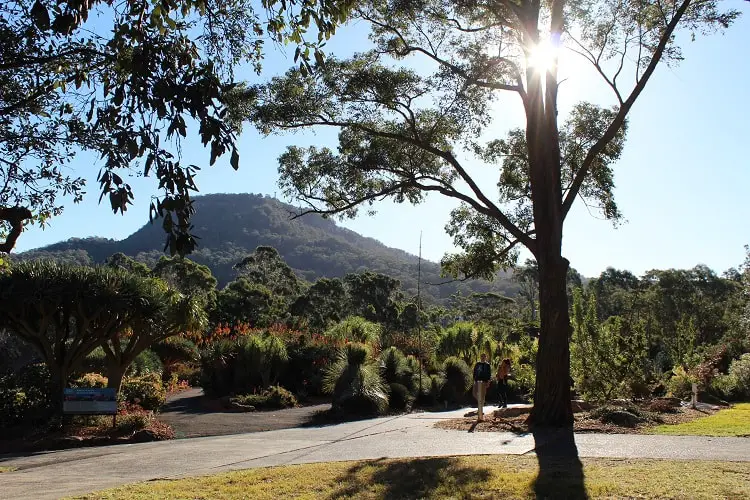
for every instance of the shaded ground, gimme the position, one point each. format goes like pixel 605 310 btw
pixel 191 414
pixel 514 420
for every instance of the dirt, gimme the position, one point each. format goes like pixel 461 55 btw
pixel 514 420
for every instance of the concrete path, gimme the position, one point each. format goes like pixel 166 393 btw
pixel 188 416
pixel 72 472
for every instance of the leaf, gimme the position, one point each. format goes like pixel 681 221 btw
pixel 40 16
pixel 235 160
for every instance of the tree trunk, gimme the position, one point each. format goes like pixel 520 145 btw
pixel 552 405
pixel 115 373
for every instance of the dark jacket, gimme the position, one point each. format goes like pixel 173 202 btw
pixel 482 372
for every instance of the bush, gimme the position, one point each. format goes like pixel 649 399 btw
pixel 437 382
pixel 399 397
pixel 26 397
pixel 735 385
pixel 146 362
pixel 96 361
pixel 307 360
pixel 176 349
pixel 457 380
pixel 90 380
pixel 355 382
pixel 680 385
pixel 275 397
pixel 183 371
pixel 146 391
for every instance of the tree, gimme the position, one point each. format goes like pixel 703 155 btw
pixel 121 261
pixel 373 296
pixel 242 301
pixel 188 277
pixel 322 305
pixel 66 312
pixel 267 268
pixel 404 134
pixel 170 313
pixel 123 80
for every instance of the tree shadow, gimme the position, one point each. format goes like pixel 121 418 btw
pixel 413 478
pixel 560 470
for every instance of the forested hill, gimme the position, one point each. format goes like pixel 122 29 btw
pixel 232 225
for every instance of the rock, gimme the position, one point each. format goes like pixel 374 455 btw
pixel 240 407
pixel 580 406
pixel 622 418
pixel 144 436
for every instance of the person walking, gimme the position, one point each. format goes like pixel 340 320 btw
pixel 482 377
pixel 503 373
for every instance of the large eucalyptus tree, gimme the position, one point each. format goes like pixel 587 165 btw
pixel 406 131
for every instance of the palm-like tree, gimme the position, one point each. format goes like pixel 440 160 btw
pixel 66 311
pixel 355 382
pixel 167 313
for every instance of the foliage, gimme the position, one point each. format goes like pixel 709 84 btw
pixel 67 311
pixel 272 398
pixel 735 385
pixel 265 267
pixel 355 329
pixel 308 358
pixel 245 365
pixel 125 80
pixel 608 359
pixel 355 383
pixel 146 390
pixel 321 304
pixel 401 378
pixel 26 397
pixel 90 380
pixel 680 384
pixel 245 302
pixel 146 362
pixel 458 380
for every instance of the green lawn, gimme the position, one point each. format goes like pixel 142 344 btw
pixel 733 421
pixel 496 476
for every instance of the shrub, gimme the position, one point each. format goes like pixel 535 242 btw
pixel 90 380
pixel 399 397
pixel 355 329
pixel 398 372
pixel 307 360
pixel 146 362
pixel 275 397
pixel 437 381
pixel 355 382
pixel 26 397
pixel 146 391
pixel 457 380
pixel 735 384
pixel 680 385
pixel 176 349
pixel 96 361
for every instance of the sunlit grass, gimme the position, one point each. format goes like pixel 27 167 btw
pixel 733 421
pixel 7 469
pixel 496 476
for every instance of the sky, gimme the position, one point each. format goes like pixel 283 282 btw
pixel 681 184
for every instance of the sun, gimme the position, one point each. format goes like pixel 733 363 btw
pixel 543 56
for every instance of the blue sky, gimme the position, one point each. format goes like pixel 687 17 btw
pixel 681 183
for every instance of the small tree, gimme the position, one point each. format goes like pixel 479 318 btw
pixel 355 383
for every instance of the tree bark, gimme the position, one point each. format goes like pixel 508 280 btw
pixel 552 404
pixel 115 374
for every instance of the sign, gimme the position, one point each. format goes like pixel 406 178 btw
pixel 90 401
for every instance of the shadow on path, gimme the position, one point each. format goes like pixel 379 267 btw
pixel 560 469
pixel 416 478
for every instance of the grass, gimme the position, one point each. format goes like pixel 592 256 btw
pixel 495 476
pixel 7 469
pixel 733 421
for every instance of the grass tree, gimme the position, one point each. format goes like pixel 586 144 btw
pixel 355 383
pixel 66 311
pixel 405 133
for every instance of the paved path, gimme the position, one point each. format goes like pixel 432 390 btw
pixel 56 474
pixel 188 416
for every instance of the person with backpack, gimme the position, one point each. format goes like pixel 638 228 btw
pixel 482 377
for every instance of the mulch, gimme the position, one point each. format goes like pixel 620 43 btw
pixel 514 420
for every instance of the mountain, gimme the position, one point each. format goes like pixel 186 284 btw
pixel 232 225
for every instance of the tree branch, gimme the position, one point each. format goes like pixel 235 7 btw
pixel 619 120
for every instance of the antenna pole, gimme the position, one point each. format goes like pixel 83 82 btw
pixel 419 310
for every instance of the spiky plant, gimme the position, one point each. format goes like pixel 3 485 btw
pixel 354 381
pixel 355 329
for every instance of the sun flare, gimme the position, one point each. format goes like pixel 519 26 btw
pixel 543 56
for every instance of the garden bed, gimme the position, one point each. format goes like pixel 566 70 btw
pixel 133 425
pixel 615 418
